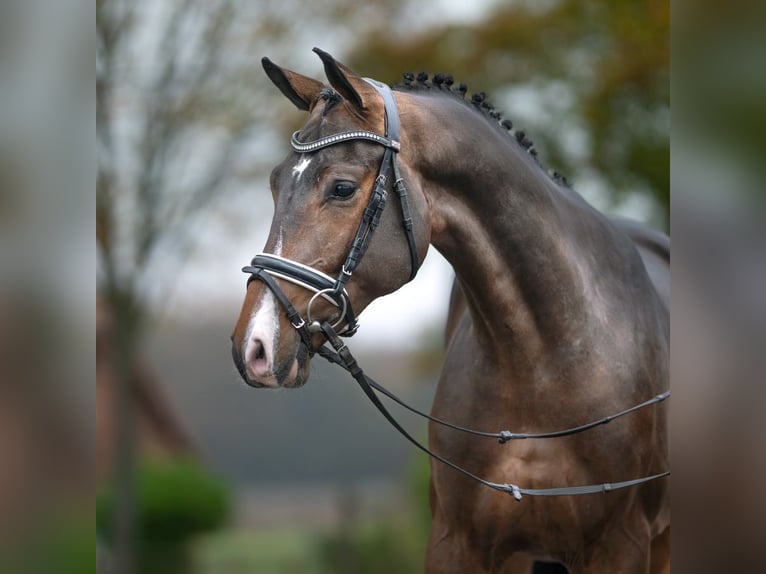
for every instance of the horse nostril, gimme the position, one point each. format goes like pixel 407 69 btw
pixel 259 352
pixel 257 359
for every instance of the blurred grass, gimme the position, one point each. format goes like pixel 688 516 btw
pixel 378 547
pixel 381 544
pixel 182 510
pixel 287 551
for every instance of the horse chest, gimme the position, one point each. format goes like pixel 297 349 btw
pixel 491 526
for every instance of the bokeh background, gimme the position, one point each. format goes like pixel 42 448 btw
pixel 199 473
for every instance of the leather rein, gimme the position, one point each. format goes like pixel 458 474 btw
pixel 269 268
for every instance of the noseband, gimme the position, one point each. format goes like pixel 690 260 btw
pixel 266 267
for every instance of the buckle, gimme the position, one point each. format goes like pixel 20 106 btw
pixel 505 436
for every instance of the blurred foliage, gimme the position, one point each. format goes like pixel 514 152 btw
pixel 276 551
pixel 70 545
pixel 63 543
pixel 601 66
pixel 375 548
pixel 417 486
pixel 164 103
pixel 720 52
pixel 184 114
pixel 388 544
pixel 176 500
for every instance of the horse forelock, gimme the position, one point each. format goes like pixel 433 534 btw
pixel 331 114
pixel 331 99
pixel 444 84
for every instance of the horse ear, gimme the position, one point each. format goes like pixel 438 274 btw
pixel 300 90
pixel 352 87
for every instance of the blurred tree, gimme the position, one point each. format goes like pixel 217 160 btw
pixel 720 54
pixel 169 130
pixel 168 133
pixel 603 67
pixel 185 113
pixel 179 95
pixel 177 500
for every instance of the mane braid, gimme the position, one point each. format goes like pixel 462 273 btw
pixel 443 83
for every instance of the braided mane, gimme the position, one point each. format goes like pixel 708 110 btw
pixel 444 83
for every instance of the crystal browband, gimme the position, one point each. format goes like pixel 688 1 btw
pixel 341 137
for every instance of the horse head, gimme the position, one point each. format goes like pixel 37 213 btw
pixel 329 193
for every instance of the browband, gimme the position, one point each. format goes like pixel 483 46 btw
pixel 305 147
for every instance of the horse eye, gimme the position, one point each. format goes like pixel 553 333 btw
pixel 343 190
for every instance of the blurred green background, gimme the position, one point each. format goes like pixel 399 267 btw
pixel 196 472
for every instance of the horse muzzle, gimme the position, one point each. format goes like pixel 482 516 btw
pixel 259 371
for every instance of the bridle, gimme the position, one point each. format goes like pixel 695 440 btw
pixel 269 268
pixel 266 267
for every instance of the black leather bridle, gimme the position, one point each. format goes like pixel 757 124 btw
pixel 269 268
pixel 266 267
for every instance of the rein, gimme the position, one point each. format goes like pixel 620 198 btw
pixel 268 268
pixel 343 357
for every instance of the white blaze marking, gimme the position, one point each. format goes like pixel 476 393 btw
pixel 264 325
pixel 301 167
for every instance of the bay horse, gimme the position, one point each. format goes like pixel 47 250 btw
pixel 559 315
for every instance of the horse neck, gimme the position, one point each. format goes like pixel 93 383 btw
pixel 536 263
